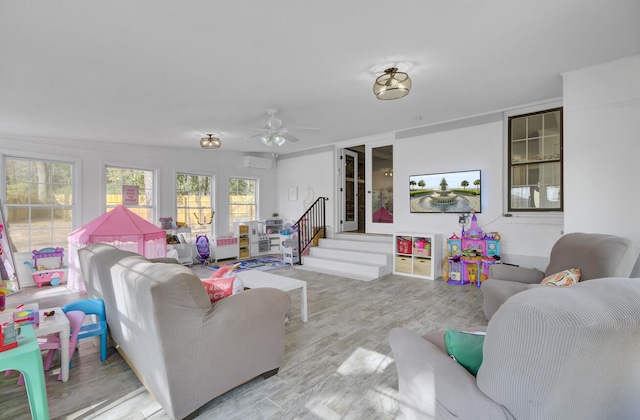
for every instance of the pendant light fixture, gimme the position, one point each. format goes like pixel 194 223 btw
pixel 393 84
pixel 210 142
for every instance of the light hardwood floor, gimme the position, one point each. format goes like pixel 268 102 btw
pixel 338 365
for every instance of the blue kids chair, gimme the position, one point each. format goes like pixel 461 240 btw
pixel 92 307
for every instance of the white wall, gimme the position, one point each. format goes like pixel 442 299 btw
pixel 601 146
pixel 312 175
pixel 526 240
pixel 90 160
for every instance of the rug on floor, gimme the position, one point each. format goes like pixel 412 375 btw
pixel 265 263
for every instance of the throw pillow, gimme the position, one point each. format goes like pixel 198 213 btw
pixel 465 348
pixel 563 278
pixel 219 288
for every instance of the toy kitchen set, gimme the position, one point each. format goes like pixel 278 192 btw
pixel 258 237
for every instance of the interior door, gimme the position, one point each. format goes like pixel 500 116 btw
pixel 349 190
pixel 379 182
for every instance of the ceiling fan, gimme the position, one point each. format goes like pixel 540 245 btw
pixel 275 132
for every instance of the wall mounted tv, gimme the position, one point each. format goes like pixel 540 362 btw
pixel 446 192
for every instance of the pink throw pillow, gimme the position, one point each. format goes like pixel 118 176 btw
pixel 219 288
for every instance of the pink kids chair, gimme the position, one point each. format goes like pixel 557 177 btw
pixel 51 342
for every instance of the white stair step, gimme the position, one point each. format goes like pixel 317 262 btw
pixel 380 247
pixel 362 257
pixel 357 256
pixel 349 269
pixel 388 239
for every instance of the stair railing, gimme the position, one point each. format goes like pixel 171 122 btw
pixel 311 225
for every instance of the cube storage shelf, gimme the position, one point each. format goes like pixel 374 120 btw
pixel 417 255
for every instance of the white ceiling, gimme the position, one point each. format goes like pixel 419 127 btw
pixel 164 72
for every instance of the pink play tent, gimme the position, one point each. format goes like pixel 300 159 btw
pixel 121 228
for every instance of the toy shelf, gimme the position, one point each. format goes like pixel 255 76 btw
pixel 414 255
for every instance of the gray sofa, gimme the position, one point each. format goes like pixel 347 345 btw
pixel 184 349
pixel 549 353
pixel 597 256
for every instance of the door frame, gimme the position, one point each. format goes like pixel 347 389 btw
pixel 370 226
pixel 348 226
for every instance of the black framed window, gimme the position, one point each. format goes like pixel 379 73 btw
pixel 535 161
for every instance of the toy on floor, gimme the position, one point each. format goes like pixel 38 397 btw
pixel 469 258
pixel 202 246
pixel 42 274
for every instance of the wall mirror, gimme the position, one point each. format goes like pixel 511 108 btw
pixel 8 273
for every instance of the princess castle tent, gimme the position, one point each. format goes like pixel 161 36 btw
pixel 121 228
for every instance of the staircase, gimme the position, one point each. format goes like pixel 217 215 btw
pixel 352 255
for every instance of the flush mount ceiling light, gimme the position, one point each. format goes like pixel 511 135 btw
pixel 210 142
pixel 393 84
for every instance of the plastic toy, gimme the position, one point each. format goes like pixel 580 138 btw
pixel 8 336
pixel 469 258
pixel 202 246
pixel 42 274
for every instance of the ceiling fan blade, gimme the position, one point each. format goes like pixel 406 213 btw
pixel 304 128
pixel 253 136
pixel 290 137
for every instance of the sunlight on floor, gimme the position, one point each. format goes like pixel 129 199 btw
pixel 362 367
pixel 364 361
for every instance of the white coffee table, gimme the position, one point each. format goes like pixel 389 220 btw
pixel 254 279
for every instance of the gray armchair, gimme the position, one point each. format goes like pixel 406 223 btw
pixel 597 256
pixel 549 353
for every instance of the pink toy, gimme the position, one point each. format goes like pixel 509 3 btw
pixel 42 275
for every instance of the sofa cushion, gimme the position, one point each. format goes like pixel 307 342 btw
pixel 597 255
pixel 567 277
pixel 548 351
pixel 465 348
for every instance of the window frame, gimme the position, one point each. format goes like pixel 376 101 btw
pixel 212 189
pixel 510 165
pixel 230 203
pixel 75 167
pixel 154 191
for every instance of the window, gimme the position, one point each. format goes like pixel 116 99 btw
pixel 193 196
pixel 535 161
pixel 242 200
pixel 142 180
pixel 39 202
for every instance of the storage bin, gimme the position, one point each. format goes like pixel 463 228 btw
pixel 404 245
pixel 243 229
pixel 243 241
pixel 422 252
pixel 403 264
pixel 422 266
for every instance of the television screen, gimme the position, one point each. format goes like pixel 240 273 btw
pixel 447 192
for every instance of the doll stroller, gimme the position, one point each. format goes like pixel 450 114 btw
pixel 202 246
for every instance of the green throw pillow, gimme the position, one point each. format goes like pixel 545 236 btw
pixel 465 348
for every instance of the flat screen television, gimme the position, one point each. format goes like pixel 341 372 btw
pixel 446 192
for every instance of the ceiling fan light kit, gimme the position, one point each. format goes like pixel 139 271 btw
pixel 393 84
pixel 210 142
pixel 274 131
pixel 269 139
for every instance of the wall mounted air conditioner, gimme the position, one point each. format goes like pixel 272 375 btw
pixel 257 162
